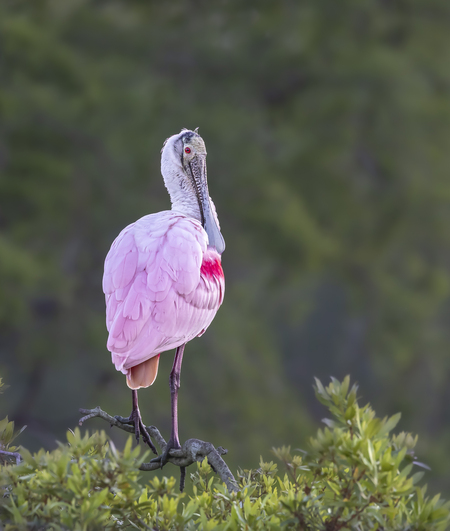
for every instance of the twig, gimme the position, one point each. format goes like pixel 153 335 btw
pixel 193 450
pixel 16 455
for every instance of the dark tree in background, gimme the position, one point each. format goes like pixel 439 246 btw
pixel 328 131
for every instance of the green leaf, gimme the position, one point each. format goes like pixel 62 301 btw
pixel 389 425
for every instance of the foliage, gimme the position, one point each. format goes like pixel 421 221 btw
pixel 7 433
pixel 356 476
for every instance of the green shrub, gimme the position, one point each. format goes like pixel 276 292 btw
pixel 355 475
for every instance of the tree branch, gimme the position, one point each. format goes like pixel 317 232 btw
pixel 193 450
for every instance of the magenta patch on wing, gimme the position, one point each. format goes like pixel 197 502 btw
pixel 211 267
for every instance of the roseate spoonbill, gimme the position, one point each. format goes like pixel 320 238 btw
pixel 163 279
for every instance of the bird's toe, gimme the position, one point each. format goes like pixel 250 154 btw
pixel 164 457
pixel 139 428
pixel 124 420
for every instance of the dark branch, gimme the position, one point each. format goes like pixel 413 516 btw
pixel 193 450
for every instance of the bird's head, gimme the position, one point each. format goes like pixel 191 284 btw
pixel 183 166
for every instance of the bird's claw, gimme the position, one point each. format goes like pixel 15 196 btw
pixel 161 459
pixel 164 457
pixel 139 428
pixel 124 420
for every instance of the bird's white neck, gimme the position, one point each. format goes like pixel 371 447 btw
pixel 181 191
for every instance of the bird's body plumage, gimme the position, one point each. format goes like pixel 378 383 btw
pixel 163 287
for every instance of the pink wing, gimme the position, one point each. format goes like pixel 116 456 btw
pixel 162 287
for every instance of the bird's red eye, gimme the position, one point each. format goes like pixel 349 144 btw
pixel 187 149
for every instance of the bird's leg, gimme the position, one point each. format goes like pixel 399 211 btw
pixel 174 384
pixel 136 419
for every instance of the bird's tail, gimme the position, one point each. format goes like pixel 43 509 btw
pixel 144 374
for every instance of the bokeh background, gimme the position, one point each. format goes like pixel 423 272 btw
pixel 328 133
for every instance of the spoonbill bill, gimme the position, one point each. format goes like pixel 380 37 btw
pixel 163 279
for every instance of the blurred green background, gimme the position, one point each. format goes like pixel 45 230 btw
pixel 327 126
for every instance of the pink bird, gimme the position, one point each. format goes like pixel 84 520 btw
pixel 163 279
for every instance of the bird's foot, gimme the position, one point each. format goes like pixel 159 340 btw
pixel 164 457
pixel 135 420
